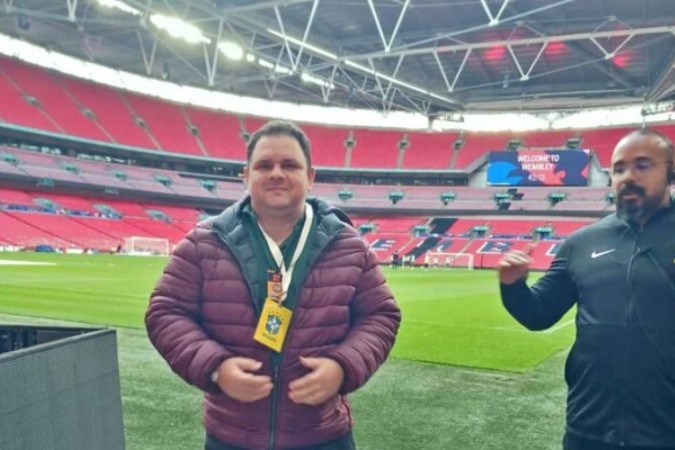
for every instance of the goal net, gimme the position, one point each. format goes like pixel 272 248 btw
pixel 456 260
pixel 146 246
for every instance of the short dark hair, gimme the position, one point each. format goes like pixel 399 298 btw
pixel 665 140
pixel 280 128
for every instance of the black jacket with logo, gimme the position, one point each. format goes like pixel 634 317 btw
pixel 621 369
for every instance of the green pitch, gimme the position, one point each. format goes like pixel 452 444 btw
pixel 456 317
pixel 449 316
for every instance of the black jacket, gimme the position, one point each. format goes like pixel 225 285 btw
pixel 621 369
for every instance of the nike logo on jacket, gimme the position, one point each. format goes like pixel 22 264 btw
pixel 597 254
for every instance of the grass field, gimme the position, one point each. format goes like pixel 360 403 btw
pixel 463 373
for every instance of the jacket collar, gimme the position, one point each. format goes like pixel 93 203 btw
pixel 330 218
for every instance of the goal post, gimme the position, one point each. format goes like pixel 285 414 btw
pixel 454 260
pixel 146 246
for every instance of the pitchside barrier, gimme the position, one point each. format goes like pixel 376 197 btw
pixel 59 389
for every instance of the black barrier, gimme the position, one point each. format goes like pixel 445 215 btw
pixel 59 389
pixel 16 337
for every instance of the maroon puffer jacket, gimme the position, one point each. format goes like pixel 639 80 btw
pixel 202 312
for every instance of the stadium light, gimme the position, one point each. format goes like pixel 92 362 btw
pixel 265 63
pixel 275 67
pixel 179 29
pixel 308 78
pixel 121 6
pixel 231 50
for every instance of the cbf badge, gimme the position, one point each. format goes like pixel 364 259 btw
pixel 273 325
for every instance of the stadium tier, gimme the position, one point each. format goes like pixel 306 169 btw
pixel 32 218
pixel 15 197
pixel 375 149
pixel 384 245
pixel 513 227
pixel 36 167
pixel 563 228
pixel 44 210
pixel 22 234
pixel 110 111
pixel 175 213
pixel 220 134
pixel 542 254
pixel 396 224
pixel 487 252
pixel 20 109
pixel 79 234
pixel 156 228
pixel 66 222
pixel 70 203
pixel 478 144
pixel 545 140
pixel 52 102
pixel 61 108
pixel 592 205
pixel 429 151
pixel 166 123
pixel 328 145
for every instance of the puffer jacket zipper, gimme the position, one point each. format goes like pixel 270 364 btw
pixel 276 361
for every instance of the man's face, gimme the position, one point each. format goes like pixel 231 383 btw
pixel 640 177
pixel 277 176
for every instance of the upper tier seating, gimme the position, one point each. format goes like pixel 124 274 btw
pixel 430 151
pixel 65 105
pixel 17 110
pixel 376 149
pixel 111 113
pixel 218 132
pixel 479 144
pixel 61 107
pixel 166 124
pixel 328 145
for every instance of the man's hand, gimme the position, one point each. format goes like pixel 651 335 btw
pixel 323 382
pixel 514 265
pixel 236 379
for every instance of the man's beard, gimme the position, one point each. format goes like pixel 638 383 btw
pixel 633 211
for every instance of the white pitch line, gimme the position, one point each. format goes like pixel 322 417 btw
pixel 560 326
pixel 512 330
pixel 504 328
pixel 9 262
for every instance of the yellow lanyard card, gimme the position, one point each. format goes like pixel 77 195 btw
pixel 273 325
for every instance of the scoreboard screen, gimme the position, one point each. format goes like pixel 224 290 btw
pixel 538 168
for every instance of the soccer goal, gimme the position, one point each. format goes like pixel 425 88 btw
pixel 455 260
pixel 146 246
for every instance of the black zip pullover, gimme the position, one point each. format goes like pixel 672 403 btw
pixel 621 369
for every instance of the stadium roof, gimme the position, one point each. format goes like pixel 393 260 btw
pixel 437 57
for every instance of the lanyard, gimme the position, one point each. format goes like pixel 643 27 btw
pixel 287 274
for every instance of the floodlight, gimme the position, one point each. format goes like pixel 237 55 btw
pixel 308 78
pixel 117 4
pixel 179 29
pixel 231 50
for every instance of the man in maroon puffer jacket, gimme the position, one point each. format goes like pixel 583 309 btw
pixel 276 309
